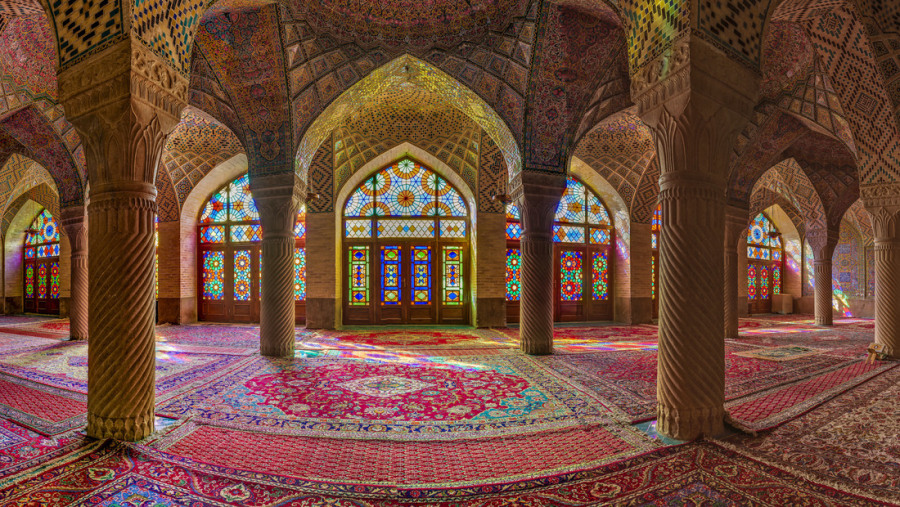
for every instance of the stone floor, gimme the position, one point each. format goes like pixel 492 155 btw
pixel 452 416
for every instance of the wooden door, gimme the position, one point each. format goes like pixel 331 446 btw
pixel 759 287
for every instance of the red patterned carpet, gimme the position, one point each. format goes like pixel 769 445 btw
pixel 457 417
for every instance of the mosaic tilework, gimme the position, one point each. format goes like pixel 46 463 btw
pixel 207 95
pixel 321 179
pixel 13 170
pixel 94 25
pixel 788 56
pixel 492 178
pixel 243 48
pixel 167 28
pixel 860 219
pixel 30 175
pixel 416 117
pixel 573 55
pixel 168 208
pixel 647 195
pixel 55 115
pixel 27 54
pixel 31 128
pixel 735 26
pixel 621 149
pixel 831 169
pixel 764 197
pixel 846 268
pixel 815 100
pixel 653 27
pixel 196 146
pixel 42 194
pixel 788 180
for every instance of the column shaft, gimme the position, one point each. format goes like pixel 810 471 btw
pixel 73 223
pixel 735 224
pixel 824 306
pixel 887 294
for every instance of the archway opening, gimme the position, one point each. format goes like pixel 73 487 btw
pixel 765 264
pixel 41 273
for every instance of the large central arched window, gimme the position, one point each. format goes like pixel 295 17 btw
pixel 405 249
pixel 229 256
pixel 41 278
pixel 583 234
pixel 765 264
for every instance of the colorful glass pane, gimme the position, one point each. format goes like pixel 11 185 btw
pixel 215 210
pixel 764 282
pixel 390 275
pixel 400 228
pixel 29 281
pixel 453 229
pixel 513 230
pixel 54 280
pixel 300 226
pixel 596 211
pixel 362 201
pixel 409 190
pixel 653 277
pixel 571 205
pixel 358 228
pixel 242 275
pixel 512 212
pixel 449 202
pixel 568 234
pixel 599 237
pixel 29 252
pixel 751 282
pixel 656 227
pixel 600 276
pixel 43 229
pixel 213 275
pixel 776 279
pixel 299 274
pixel 241 207
pixel 513 274
pixel 212 234
pixel 421 275
pixel 42 281
pixel 571 275
pixel 359 275
pixel 654 241
pixel 246 233
pixel 453 275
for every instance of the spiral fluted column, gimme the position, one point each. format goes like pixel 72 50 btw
pixel 885 212
pixel 75 226
pixel 278 197
pixel 537 195
pixel 735 224
pixel 823 294
pixel 123 101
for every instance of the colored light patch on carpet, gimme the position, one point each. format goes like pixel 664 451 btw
pixel 575 346
pixel 474 396
pixel 774 407
pixel 210 335
pixel 784 353
pixel 433 463
pixel 22 449
pixel 11 344
pixel 65 367
pixel 850 441
pixel 392 338
pixel 44 409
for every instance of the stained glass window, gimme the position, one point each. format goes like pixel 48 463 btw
pixel 764 282
pixel 29 281
pixel 54 280
pixel 213 275
pixel 421 275
pixel 600 276
pixel 776 279
pixel 453 275
pixel 765 252
pixel 390 275
pixel 751 282
pixel 571 273
pixel 41 251
pixel 242 275
pixel 299 274
pixel 42 281
pixel 359 275
pixel 43 230
pixel 656 227
pixel 513 274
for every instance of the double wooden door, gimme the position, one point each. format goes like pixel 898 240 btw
pixel 42 286
pixel 582 283
pixel 759 286
pixel 406 282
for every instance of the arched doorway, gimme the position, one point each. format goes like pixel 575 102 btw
pixel 655 229
pixel 229 256
pixel 406 249
pixel 41 278
pixel 765 264
pixel 583 237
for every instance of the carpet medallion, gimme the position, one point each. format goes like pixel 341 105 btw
pixel 368 339
pixel 471 397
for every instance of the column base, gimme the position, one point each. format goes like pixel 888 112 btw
pixel 824 321
pixel 691 423
pixel 120 428
pixel 537 348
pixel 277 349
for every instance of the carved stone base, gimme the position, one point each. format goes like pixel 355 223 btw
pixel 125 428
pixel 689 424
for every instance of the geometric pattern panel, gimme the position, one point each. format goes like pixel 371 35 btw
pixel 167 28
pixel 492 178
pixel 321 179
pixel 79 31
pixel 735 25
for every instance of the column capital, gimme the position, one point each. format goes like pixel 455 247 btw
pixel 883 203
pixel 278 198
pixel 823 242
pixel 538 195
pixel 73 220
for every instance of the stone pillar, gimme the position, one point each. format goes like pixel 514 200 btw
pixel 696 110
pixel 123 101
pixel 735 225
pixel 73 222
pixel 538 195
pixel 885 210
pixel 278 198
pixel 823 243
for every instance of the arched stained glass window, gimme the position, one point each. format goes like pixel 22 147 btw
pixel 405 237
pixel 41 280
pixel 229 256
pixel 765 263
pixel 655 230
pixel 583 233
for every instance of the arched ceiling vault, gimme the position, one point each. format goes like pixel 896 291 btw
pixel 42 194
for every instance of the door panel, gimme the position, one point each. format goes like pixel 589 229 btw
pixel 759 287
pixel 569 284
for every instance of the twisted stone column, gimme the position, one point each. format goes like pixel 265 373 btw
pixel 538 195
pixel 885 212
pixel 735 224
pixel 74 224
pixel 123 101
pixel 278 197
pixel 823 243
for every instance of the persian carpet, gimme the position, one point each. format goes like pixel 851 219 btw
pixel 439 399
pixel 12 344
pixel 110 473
pixel 627 379
pixel 18 320
pixel 432 463
pixel 65 367
pixel 22 449
pixel 851 441
pixel 211 335
pixel 782 353
pixel 45 409
pixel 373 339
pixel 773 407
